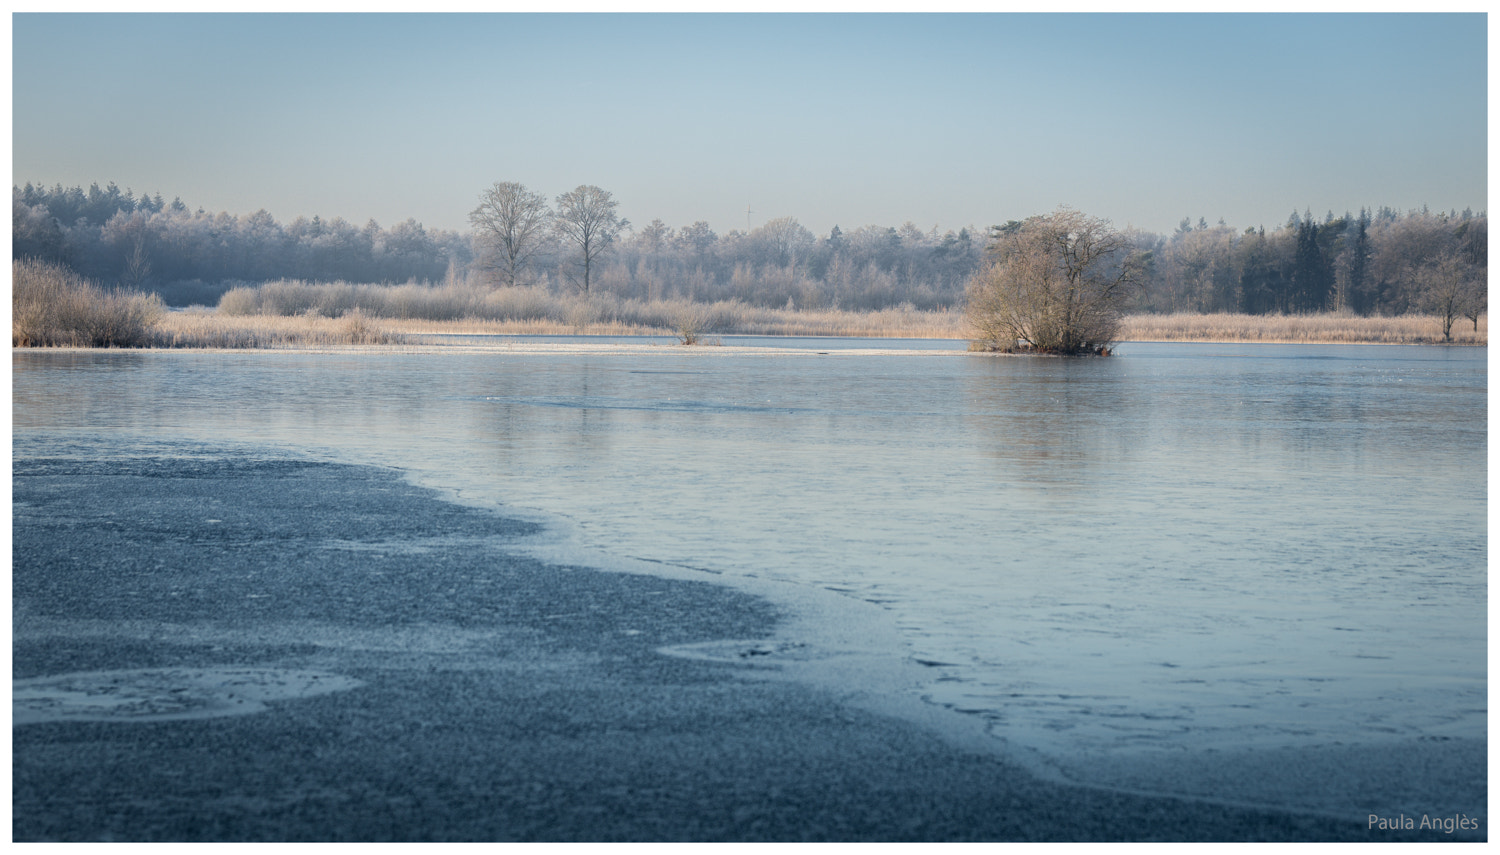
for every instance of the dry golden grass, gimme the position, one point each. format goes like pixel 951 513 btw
pixel 540 326
pixel 745 320
pixel 900 322
pixel 1300 329
pixel 207 329
pixel 51 306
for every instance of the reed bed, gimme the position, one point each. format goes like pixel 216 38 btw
pixel 898 322
pixel 413 330
pixel 197 328
pixel 534 310
pixel 53 307
pixel 743 320
pixel 1328 328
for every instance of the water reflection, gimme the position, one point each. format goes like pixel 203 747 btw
pixel 1057 421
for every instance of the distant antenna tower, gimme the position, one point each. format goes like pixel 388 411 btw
pixel 748 212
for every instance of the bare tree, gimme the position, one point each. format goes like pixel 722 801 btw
pixel 511 222
pixel 1473 247
pixel 1478 304
pixel 133 235
pixel 1054 285
pixel 137 264
pixel 586 217
pixel 1448 288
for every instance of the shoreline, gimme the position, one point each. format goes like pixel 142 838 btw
pixel 188 326
pixel 203 330
pixel 582 346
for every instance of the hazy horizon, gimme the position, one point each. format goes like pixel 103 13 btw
pixel 848 120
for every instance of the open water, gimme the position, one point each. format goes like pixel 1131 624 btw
pixel 1186 547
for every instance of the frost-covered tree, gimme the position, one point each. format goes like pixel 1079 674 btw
pixel 587 218
pixel 780 241
pixel 1055 284
pixel 509 224
pixel 1448 288
pixel 654 238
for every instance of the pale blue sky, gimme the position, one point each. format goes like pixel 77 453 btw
pixel 945 120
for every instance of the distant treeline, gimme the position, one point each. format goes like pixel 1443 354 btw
pixel 112 236
pixel 1374 262
pixel 1379 262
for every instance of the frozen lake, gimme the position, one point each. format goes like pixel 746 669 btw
pixel 1188 548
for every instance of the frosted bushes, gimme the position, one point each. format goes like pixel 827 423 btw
pixel 336 301
pixel 724 316
pixel 520 304
pixel 294 297
pixel 690 320
pixel 583 312
pixel 240 301
pixel 401 301
pixel 448 302
pixel 53 307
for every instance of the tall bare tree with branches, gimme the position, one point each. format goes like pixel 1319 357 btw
pixel 1449 289
pixel 586 217
pixel 510 223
